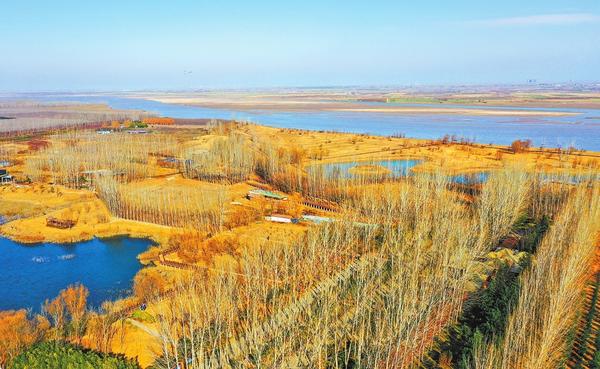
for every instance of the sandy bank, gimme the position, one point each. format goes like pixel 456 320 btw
pixel 34 230
pixel 459 111
pixel 92 217
pixel 346 106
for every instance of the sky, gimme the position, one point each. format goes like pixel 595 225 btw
pixel 191 44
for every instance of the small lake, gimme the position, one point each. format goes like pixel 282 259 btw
pixel 391 168
pixel 30 274
pixel 581 130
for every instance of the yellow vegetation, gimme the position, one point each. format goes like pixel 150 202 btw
pixel 375 282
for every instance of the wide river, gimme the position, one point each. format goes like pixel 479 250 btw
pixel 30 274
pixel 581 130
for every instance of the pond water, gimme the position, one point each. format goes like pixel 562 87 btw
pixel 581 130
pixel 394 168
pixel 470 178
pixel 30 274
pixel 397 168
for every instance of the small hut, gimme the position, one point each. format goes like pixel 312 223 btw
pixel 264 193
pixel 60 223
pixel 281 218
pixel 5 177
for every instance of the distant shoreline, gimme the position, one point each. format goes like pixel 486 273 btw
pixel 461 111
pixel 294 105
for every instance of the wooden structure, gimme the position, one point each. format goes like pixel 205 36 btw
pixel 321 204
pixel 262 186
pixel 60 223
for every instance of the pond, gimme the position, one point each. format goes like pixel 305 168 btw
pixel 393 168
pixel 470 178
pixel 398 168
pixel 380 168
pixel 30 274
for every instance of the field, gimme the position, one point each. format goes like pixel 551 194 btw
pixel 266 259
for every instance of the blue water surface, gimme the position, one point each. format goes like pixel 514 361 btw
pixel 581 130
pixel 30 274
pixel 398 167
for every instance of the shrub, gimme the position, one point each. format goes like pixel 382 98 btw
pixel 138 124
pixel 55 354
pixel 595 363
pixel 148 282
pixel 17 331
pixel 68 311
pixel 520 145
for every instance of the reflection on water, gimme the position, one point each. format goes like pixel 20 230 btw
pixel 40 259
pixel 66 257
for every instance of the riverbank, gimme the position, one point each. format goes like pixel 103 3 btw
pixel 34 231
pixel 437 156
pixel 549 119
pixel 31 206
pixel 316 98
pixel 458 111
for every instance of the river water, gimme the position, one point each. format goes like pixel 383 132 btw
pixel 581 130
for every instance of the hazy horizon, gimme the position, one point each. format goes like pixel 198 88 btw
pixel 463 87
pixel 114 46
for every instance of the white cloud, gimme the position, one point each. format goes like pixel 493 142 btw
pixel 542 19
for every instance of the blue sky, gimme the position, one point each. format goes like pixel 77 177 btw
pixel 180 44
